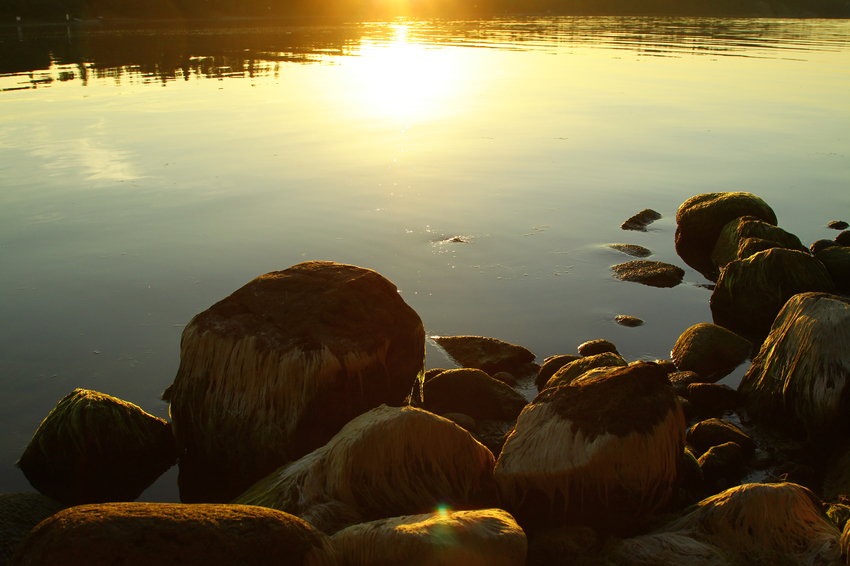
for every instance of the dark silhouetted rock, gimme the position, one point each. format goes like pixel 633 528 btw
pixel 652 273
pixel 714 432
pixel 277 368
pixel 700 219
pixel 629 321
pixel 19 513
pixel 94 448
pixel 168 534
pixel 641 220
pixel 722 466
pixel 600 346
pixel 742 237
pixel 472 392
pixel 751 291
pixel 551 365
pixel 487 354
pixel 712 398
pixel 631 249
pixel 838 225
pixel 505 377
pixel 578 367
pixel 837 262
pixel 710 350
pixel 821 245
pixel 681 379
pixel 843 238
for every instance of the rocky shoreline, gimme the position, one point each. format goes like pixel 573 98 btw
pixel 306 430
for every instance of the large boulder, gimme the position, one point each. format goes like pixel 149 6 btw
pixel 19 513
pixel 750 292
pixel 471 392
pixel 277 368
pixel 837 262
pixel 744 236
pixel 94 448
pixel 486 537
pixel 700 219
pixel 605 450
pixel 487 354
pixel 388 462
pixel 801 371
pixel 171 534
pixel 710 350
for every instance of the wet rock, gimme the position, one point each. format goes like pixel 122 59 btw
pixel 464 421
pixel 19 513
pixel 751 291
pixel 710 350
pixel 821 245
pixel 487 354
pixel 652 273
pixel 168 534
pixel 681 379
pixel 837 262
pixel 801 371
pixel 550 366
pixel 744 236
pixel 506 378
pixel 700 219
pixel 603 452
pixel 93 448
pixel 711 398
pixel 722 466
pixel 641 220
pixel 485 536
pixel 714 432
pixel 472 392
pixel 432 372
pixel 838 225
pixel 632 250
pixel 629 321
pixel 843 238
pixel 593 347
pixel 388 462
pixel 277 368
pixel 668 365
pixel 576 368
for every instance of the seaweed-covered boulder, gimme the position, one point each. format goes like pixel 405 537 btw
pixel 750 292
pixel 836 259
pixel 94 448
pixel 485 537
pixel 471 392
pixel 171 534
pixel 19 513
pixel 652 273
pixel 388 462
pixel 572 370
pixel 277 368
pixel 700 219
pixel 801 371
pixel 742 237
pixel 759 525
pixel 550 366
pixel 487 354
pixel 600 452
pixel 710 350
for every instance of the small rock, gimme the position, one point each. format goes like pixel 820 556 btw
pixel 711 398
pixel 653 273
pixel 722 466
pixel 593 347
pixel 505 377
pixel 838 225
pixel 714 432
pixel 551 365
pixel 574 369
pixel 629 321
pixel 822 245
pixel 641 220
pixel 631 249
pixel 681 380
pixel 487 354
pixel 471 392
pixel 710 350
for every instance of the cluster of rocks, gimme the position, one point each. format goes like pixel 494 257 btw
pixel 306 431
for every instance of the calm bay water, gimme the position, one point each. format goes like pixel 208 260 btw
pixel 147 173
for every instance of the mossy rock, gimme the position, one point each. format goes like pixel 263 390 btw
pixel 710 350
pixel 574 369
pixel 744 236
pixel 472 392
pixel 652 273
pixel 550 366
pixel 95 448
pixel 487 354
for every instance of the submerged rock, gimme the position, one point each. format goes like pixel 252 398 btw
pixel 838 225
pixel 629 321
pixel 487 354
pixel 742 237
pixel 710 350
pixel 277 368
pixel 485 537
pixel 632 250
pixel 94 448
pixel 641 220
pixel 700 219
pixel 652 273
pixel 169 534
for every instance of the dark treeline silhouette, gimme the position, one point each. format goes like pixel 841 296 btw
pixel 46 11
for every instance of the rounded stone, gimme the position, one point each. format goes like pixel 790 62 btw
pixel 487 354
pixel 600 346
pixel 742 237
pixel 710 350
pixel 652 273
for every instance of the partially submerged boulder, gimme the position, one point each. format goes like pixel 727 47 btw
pixel 94 448
pixel 742 237
pixel 641 220
pixel 19 513
pixel 631 249
pixel 801 371
pixel 471 392
pixel 572 370
pixel 652 273
pixel 388 462
pixel 600 346
pixel 700 219
pixel 750 292
pixel 486 537
pixel 171 534
pixel 606 450
pixel 277 368
pixel 710 350
pixel 487 354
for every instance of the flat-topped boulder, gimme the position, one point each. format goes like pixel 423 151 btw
pixel 652 273
pixel 487 354
pixel 277 368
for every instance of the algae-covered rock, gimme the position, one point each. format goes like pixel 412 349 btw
pixel 750 292
pixel 600 346
pixel 277 368
pixel 742 237
pixel 700 219
pixel 606 450
pixel 484 537
pixel 631 249
pixel 487 354
pixel 551 365
pixel 388 462
pixel 836 259
pixel 710 350
pixel 641 220
pixel 652 273
pixel 170 534
pixel 93 448
pixel 801 371
pixel 472 392
pixel 572 370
